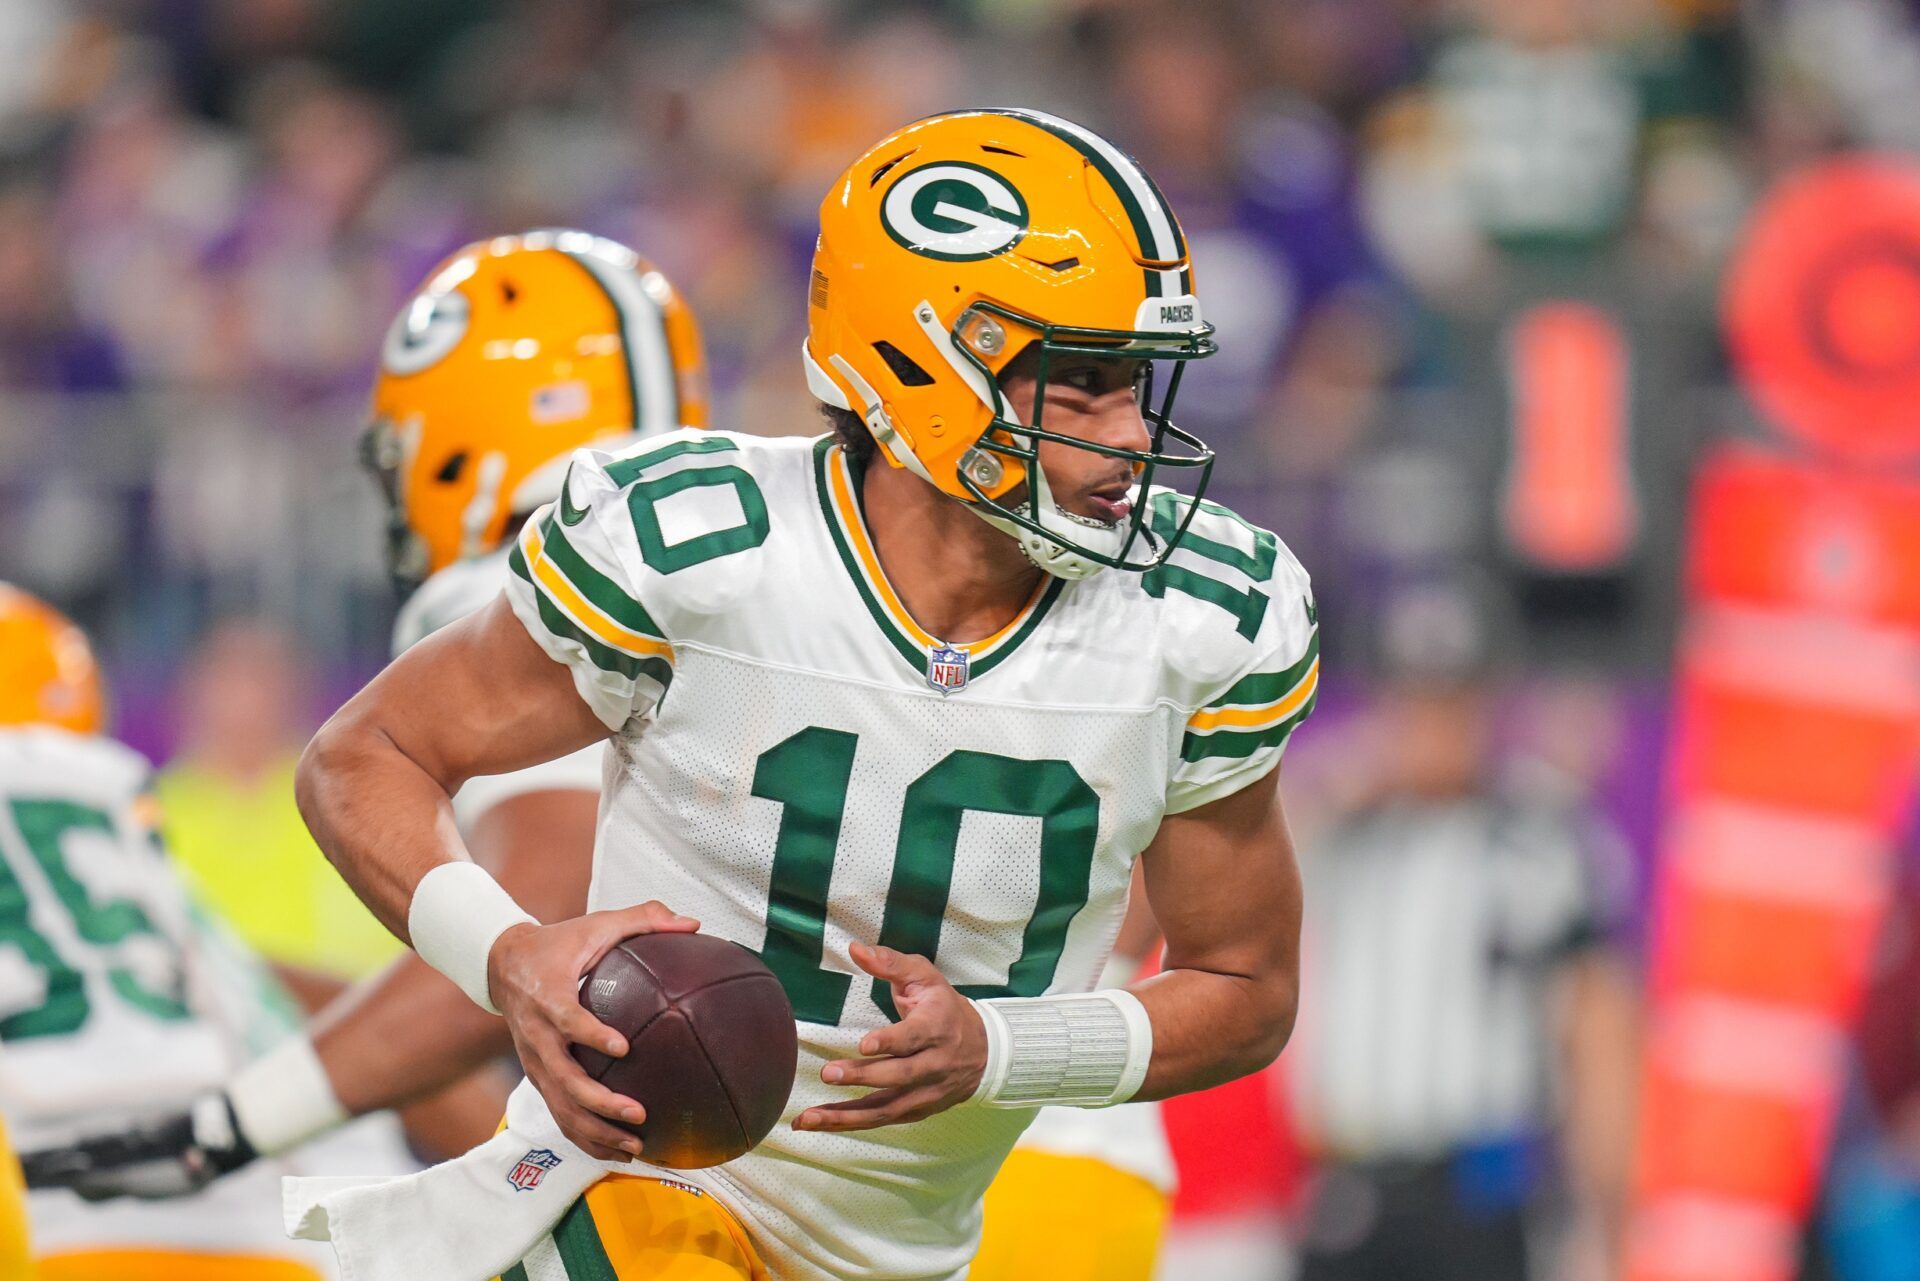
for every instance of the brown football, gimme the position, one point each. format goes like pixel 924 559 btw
pixel 711 1044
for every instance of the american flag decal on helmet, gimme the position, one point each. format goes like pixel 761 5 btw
pixel 530 1169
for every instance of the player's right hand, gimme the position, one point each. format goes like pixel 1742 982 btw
pixel 174 1156
pixel 533 975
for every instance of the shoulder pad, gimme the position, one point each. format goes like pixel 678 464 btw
pixel 1230 592
pixel 40 752
pixel 687 512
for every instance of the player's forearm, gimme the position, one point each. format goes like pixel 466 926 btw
pixel 1210 1027
pixel 409 1031
pixel 313 989
pixel 381 820
pixel 1226 890
pixel 461 1117
pixel 403 1035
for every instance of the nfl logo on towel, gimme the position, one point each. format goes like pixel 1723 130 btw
pixel 946 668
pixel 531 1168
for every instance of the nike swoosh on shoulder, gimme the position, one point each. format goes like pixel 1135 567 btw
pixel 569 514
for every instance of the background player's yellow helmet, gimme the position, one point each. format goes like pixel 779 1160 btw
pixel 515 352
pixel 952 247
pixel 48 675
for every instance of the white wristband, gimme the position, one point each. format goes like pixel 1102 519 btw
pixel 1087 1049
pixel 284 1098
pixel 456 914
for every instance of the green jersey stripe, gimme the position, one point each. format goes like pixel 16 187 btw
pixel 517 1272
pixel 624 471
pixel 1269 687
pixel 601 591
pixel 605 657
pixel 578 1241
pixel 915 656
pixel 1239 744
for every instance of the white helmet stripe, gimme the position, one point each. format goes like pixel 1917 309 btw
pixel 1165 239
pixel 643 332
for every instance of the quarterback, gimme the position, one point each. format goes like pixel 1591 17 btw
pixel 899 708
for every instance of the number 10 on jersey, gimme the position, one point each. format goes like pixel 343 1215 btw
pixel 808 775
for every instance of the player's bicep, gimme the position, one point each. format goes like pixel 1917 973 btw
pixel 1224 885
pixel 478 697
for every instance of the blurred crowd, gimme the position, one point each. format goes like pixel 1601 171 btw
pixel 210 209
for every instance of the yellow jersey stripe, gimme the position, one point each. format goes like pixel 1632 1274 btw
pixel 564 594
pixel 1259 717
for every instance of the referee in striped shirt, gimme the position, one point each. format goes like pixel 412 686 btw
pixel 1465 1055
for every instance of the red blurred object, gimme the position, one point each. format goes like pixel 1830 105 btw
pixel 1795 743
pixel 1822 308
pixel 1569 505
pixel 1235 1148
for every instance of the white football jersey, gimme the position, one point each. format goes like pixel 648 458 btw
pixel 452 594
pixel 119 998
pixel 798 764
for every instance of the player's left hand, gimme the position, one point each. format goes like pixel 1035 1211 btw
pixel 930 1060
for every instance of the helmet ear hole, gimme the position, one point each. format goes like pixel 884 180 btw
pixel 886 167
pixel 903 366
pixel 451 469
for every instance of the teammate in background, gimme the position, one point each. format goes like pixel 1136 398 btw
pixel 516 351
pixel 118 995
pixel 903 745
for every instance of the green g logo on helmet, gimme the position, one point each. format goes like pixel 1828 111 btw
pixel 954 211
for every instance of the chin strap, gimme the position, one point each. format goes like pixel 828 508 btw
pixel 1055 558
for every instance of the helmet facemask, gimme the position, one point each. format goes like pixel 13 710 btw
pixel 386 455
pixel 1061 542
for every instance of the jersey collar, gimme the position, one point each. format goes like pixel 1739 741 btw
pixel 839 488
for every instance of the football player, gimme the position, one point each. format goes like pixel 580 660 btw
pixel 899 708
pixel 118 996
pixel 464 444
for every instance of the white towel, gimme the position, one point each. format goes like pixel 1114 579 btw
pixel 468 1219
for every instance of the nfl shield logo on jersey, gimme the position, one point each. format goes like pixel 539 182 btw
pixel 946 668
pixel 531 1168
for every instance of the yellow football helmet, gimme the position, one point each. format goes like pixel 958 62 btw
pixel 956 244
pixel 514 353
pixel 48 675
